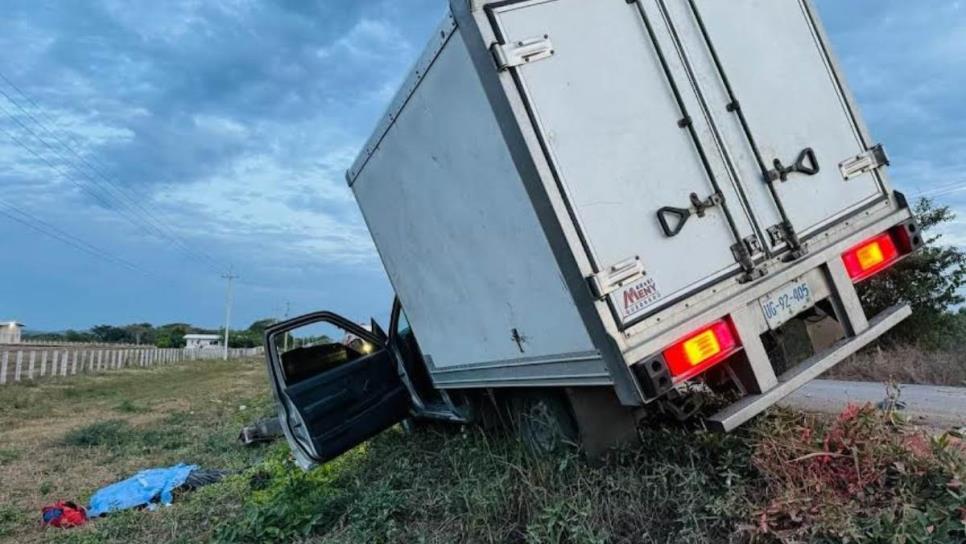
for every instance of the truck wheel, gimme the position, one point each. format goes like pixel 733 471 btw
pixel 544 422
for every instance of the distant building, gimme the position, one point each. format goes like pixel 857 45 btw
pixel 10 332
pixel 202 341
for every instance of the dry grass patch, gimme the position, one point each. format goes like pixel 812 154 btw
pixel 906 364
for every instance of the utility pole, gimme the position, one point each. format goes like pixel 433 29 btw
pixel 230 276
pixel 288 306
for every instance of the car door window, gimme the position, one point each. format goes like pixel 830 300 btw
pixel 316 348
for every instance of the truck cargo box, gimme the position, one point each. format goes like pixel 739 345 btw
pixel 560 182
pixel 610 197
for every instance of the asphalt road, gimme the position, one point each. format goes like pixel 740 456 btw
pixel 926 404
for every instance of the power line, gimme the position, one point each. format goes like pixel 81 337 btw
pixel 945 190
pixel 105 201
pixel 103 196
pixel 120 190
pixel 156 224
pixel 39 225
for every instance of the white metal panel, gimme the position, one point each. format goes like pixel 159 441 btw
pixel 611 125
pixel 788 89
pixel 458 235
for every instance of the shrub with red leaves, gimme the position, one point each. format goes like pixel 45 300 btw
pixel 860 477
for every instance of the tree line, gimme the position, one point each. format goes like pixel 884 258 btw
pixel 163 336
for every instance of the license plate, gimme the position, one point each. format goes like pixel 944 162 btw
pixel 781 305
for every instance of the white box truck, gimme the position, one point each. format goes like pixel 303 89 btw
pixel 589 206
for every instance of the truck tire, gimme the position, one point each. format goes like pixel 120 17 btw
pixel 544 422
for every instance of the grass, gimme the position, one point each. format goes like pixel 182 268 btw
pixel 790 477
pixel 64 438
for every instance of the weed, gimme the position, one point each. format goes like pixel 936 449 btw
pixel 128 407
pixel 862 477
pixel 469 487
pixel 45 488
pixel 9 519
pixel 101 433
pixel 8 456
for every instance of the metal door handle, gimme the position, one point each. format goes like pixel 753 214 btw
pixel 682 215
pixel 806 163
pixel 698 207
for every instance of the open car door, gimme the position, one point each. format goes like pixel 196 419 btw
pixel 336 383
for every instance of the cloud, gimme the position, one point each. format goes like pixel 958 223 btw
pixel 232 122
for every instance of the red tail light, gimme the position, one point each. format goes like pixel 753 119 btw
pixel 871 257
pixel 701 350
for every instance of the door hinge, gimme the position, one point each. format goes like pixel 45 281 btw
pixel 616 276
pixel 784 232
pixel 744 253
pixel 749 247
pixel 866 162
pixel 522 52
pixel 776 234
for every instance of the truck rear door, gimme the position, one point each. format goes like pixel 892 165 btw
pixel 777 99
pixel 634 156
pixel 336 385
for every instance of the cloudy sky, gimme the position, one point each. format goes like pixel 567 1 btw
pixel 159 143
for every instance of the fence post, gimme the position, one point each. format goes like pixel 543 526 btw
pixel 43 362
pixel 73 365
pixel 63 363
pixel 19 368
pixel 30 365
pixel 3 367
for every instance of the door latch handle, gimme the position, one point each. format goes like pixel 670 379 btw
pixel 682 215
pixel 806 163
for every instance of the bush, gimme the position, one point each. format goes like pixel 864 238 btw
pixel 862 477
pixel 101 433
pixel 931 280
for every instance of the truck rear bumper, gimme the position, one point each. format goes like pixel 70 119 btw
pixel 740 412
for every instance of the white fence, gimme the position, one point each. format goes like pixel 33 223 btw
pixel 22 363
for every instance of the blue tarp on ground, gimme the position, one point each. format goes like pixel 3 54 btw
pixel 142 489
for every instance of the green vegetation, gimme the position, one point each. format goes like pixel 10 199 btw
pixel 128 407
pixel 7 456
pixel 64 438
pixel 10 519
pixel 863 477
pixel 931 280
pixel 859 478
pixel 165 336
